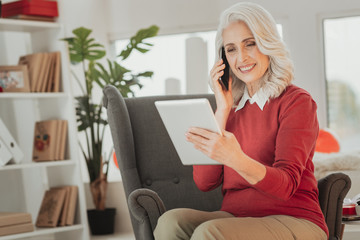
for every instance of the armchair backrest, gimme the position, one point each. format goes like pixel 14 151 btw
pixel 146 155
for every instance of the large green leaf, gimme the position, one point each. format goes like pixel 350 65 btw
pixel 136 42
pixel 82 47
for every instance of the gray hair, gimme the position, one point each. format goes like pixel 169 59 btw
pixel 262 25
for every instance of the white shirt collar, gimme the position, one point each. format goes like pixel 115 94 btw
pixel 260 98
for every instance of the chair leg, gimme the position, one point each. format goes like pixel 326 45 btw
pixel 342 231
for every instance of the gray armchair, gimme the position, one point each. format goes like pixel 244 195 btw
pixel 154 178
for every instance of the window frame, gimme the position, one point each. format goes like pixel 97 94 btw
pixel 321 36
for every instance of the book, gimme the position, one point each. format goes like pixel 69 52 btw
pixel 31 7
pixel 63 138
pixel 45 140
pixel 44 74
pixel 33 18
pixel 12 218
pixel 58 140
pixel 50 140
pixel 17 228
pixel 72 205
pixel 33 62
pixel 56 73
pixel 51 206
pixel 64 210
pixel 50 82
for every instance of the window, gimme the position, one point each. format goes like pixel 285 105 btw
pixel 342 72
pixel 166 59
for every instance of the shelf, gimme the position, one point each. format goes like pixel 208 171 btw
pixel 15 25
pixel 37 164
pixel 42 231
pixel 26 182
pixel 18 95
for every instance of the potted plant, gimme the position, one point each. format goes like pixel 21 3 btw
pixel 86 51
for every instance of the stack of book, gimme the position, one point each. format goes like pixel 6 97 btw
pixel 50 140
pixel 58 207
pixel 31 10
pixel 44 71
pixel 15 222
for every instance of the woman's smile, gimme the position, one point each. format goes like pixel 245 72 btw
pixel 247 68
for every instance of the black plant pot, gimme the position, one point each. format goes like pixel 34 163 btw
pixel 101 222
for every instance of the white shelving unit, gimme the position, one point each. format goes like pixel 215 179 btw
pixel 23 185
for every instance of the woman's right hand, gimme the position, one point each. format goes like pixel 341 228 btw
pixel 224 98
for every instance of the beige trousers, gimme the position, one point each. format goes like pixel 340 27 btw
pixel 186 223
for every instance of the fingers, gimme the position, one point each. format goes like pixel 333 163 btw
pixel 196 139
pixel 217 70
pixel 203 132
pixel 202 139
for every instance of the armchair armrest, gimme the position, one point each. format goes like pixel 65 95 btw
pixel 332 191
pixel 146 207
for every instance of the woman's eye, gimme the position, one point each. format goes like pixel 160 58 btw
pixel 250 44
pixel 230 50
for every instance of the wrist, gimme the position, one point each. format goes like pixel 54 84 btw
pixel 223 110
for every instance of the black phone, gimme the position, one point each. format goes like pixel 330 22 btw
pixel 225 78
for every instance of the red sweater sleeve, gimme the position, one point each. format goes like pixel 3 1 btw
pixel 295 143
pixel 208 177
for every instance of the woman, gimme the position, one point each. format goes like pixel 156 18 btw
pixel 269 189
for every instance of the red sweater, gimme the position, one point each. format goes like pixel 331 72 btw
pixel 282 137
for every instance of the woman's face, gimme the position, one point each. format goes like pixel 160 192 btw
pixel 244 57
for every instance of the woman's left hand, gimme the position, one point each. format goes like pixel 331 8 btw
pixel 224 149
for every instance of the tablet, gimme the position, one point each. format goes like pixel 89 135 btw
pixel 178 116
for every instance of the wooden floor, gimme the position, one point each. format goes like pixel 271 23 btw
pixel 122 236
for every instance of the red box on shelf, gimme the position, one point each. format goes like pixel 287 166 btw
pixel 30 7
pixel 349 209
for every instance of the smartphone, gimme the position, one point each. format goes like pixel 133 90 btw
pixel 225 78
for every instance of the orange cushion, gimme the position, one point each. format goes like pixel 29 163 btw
pixel 327 142
pixel 115 160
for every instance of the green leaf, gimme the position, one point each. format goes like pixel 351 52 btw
pixel 81 32
pixel 142 50
pixel 146 74
pixel 137 40
pixel 146 33
pixel 81 47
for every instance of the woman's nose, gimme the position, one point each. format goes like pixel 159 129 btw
pixel 242 56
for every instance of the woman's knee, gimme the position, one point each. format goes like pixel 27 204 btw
pixel 171 223
pixel 209 230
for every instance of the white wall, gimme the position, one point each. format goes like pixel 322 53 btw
pixel 126 17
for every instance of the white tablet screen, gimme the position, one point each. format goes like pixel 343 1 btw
pixel 178 116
